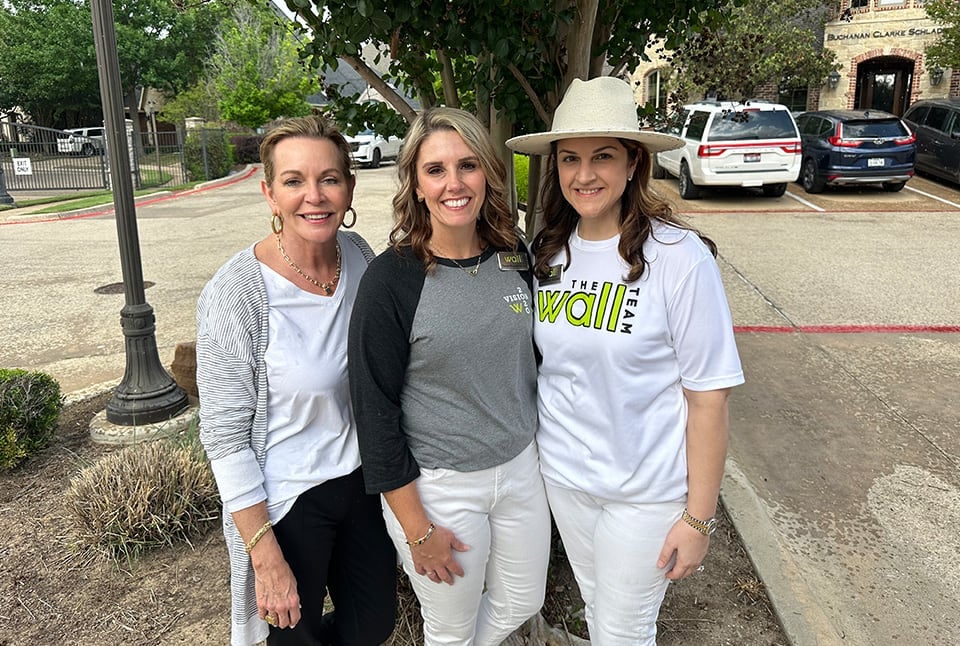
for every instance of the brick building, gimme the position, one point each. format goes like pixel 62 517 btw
pixel 880 48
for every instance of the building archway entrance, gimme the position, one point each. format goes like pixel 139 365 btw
pixel 884 83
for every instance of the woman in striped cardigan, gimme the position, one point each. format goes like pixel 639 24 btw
pixel 275 413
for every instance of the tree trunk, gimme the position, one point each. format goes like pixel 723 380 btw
pixel 449 83
pixel 534 213
pixel 580 42
pixel 500 131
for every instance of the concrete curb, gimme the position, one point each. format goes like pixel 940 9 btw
pixel 794 603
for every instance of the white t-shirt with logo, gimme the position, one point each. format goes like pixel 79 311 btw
pixel 616 357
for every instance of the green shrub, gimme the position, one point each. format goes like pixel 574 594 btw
pixel 246 148
pixel 521 169
pixel 30 404
pixel 143 496
pixel 219 157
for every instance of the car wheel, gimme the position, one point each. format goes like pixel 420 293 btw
pixel 688 190
pixel 656 170
pixel 893 187
pixel 375 158
pixel 812 183
pixel 87 150
pixel 774 190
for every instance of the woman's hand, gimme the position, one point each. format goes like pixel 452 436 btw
pixel 434 557
pixel 687 547
pixel 277 600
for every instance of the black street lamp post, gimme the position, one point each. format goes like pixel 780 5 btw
pixel 147 394
pixel 5 197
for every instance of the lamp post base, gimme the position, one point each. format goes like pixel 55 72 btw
pixel 147 394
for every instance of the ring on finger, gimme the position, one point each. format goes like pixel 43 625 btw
pixel 270 619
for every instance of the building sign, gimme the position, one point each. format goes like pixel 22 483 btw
pixel 21 166
pixel 878 33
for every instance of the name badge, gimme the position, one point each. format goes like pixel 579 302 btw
pixel 511 261
pixel 554 275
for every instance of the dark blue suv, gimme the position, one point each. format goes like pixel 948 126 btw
pixel 843 147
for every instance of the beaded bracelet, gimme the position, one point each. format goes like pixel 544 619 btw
pixel 256 537
pixel 423 539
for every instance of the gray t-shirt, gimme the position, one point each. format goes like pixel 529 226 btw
pixel 442 367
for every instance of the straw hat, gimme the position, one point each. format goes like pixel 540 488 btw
pixel 601 107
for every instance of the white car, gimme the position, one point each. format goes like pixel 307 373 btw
pixel 85 141
pixel 751 144
pixel 369 149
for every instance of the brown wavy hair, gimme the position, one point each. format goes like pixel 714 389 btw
pixel 413 228
pixel 639 207
pixel 314 127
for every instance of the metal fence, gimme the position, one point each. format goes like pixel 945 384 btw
pixel 35 158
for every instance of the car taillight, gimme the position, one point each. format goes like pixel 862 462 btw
pixel 710 151
pixel 792 149
pixel 903 141
pixel 838 140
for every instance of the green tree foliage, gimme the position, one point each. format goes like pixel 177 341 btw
pixel 48 65
pixel 256 69
pixel 757 43
pixel 198 100
pixel 945 51
pixel 514 58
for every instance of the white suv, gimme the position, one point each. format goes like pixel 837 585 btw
pixel 752 144
pixel 368 148
pixel 85 141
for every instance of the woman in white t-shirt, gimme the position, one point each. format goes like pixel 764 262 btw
pixel 638 360
pixel 275 413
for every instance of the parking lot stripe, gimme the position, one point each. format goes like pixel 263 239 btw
pixel 932 197
pixel 805 203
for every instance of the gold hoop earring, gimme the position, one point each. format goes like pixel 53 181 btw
pixel 353 222
pixel 276 223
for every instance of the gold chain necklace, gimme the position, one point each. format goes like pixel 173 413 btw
pixel 469 272
pixel 326 287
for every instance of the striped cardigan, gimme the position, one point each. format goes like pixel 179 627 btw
pixel 232 335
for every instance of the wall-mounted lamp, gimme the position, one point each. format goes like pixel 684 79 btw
pixel 833 79
pixel 936 75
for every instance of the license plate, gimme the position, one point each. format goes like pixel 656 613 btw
pixel 875 161
pixel 751 157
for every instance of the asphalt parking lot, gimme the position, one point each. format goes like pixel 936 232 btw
pixel 921 194
pixel 844 470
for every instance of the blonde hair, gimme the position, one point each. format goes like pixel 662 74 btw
pixel 412 228
pixel 314 127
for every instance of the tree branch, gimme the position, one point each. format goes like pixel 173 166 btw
pixel 378 84
pixel 531 94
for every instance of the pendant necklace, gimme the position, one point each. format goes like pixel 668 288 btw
pixel 326 287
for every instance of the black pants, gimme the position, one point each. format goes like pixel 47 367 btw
pixel 334 539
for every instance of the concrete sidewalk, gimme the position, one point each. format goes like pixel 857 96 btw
pixel 844 470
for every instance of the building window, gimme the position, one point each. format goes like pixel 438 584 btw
pixel 656 89
pixel 795 98
pixel 859 4
pixel 891 3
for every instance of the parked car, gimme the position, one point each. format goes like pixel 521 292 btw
pixel 85 141
pixel 849 147
pixel 751 144
pixel 936 124
pixel 369 149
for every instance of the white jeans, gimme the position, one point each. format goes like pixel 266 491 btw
pixel 502 514
pixel 613 549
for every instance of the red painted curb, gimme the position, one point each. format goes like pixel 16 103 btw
pixel 845 329
pixel 161 198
